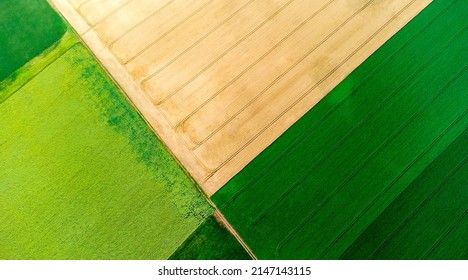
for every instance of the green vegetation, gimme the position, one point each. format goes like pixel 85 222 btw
pixel 337 181
pixel 82 176
pixel 432 207
pixel 27 29
pixel 211 241
pixel 23 75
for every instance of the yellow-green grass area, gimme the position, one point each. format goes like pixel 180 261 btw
pixel 27 28
pixel 211 241
pixel 82 176
pixel 377 169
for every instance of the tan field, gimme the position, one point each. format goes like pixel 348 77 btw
pixel 220 80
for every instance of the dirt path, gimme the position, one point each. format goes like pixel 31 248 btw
pixel 220 218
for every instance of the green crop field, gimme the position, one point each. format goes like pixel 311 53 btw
pixel 211 241
pixel 82 176
pixel 432 207
pixel 379 165
pixel 27 28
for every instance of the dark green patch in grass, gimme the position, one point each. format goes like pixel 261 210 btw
pixel 27 28
pixel 211 241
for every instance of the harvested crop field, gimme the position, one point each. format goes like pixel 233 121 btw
pixel 219 81
pixel 82 176
pixel 377 169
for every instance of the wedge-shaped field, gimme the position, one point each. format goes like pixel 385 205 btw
pixel 27 28
pixel 211 241
pixel 355 172
pixel 220 80
pixel 82 176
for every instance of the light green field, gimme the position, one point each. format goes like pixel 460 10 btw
pixel 81 174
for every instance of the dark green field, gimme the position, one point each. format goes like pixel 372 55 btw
pixel 432 208
pixel 211 241
pixel 27 28
pixel 378 168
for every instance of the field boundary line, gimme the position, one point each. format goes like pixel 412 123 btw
pixel 220 218
pixel 418 209
pixel 18 79
pixel 133 93
pixel 445 234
